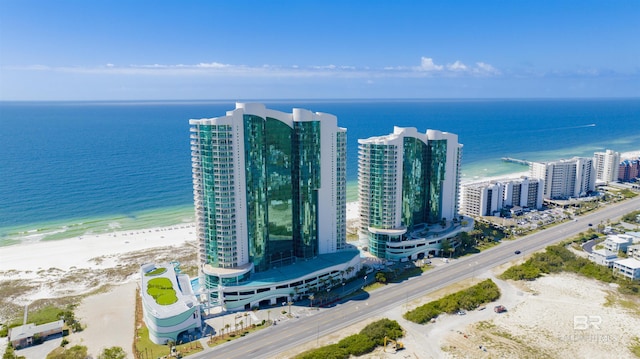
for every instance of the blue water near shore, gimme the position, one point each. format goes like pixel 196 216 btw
pixel 68 168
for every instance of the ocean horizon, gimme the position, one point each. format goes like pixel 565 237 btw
pixel 73 168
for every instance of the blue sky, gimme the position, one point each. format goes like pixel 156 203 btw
pixel 115 50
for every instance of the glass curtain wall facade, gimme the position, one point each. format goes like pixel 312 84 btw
pixel 406 180
pixel 258 190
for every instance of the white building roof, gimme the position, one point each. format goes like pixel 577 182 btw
pixel 29 330
pixel 619 239
pixel 629 263
pixel 604 253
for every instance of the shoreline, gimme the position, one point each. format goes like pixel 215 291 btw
pixel 84 251
pixel 111 227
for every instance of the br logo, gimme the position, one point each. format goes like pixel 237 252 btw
pixel 584 322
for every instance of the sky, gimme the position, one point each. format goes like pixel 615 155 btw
pixel 237 50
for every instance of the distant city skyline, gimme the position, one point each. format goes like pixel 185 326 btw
pixel 73 50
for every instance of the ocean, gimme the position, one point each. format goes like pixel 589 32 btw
pixel 71 168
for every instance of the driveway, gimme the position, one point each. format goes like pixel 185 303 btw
pixel 588 246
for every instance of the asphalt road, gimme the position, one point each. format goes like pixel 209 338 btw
pixel 271 341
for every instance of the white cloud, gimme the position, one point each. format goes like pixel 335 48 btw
pixel 457 66
pixel 485 69
pixel 427 64
pixel 427 68
pixel 214 65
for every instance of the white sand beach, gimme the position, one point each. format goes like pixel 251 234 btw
pixel 48 262
pixel 79 252
pixel 495 178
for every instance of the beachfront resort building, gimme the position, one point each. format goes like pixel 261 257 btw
pixel 270 200
pixel 491 198
pixel 629 169
pixel 564 179
pixel 408 193
pixel 170 308
pixel 606 165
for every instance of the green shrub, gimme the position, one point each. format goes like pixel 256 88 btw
pixel 332 351
pixel 468 299
pixel 357 344
pixel 377 330
pixel 156 271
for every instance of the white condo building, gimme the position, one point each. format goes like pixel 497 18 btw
pixel 565 178
pixel 491 197
pixel 270 200
pixel 408 188
pixel 607 165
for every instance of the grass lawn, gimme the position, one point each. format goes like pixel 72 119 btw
pixel 161 289
pixel 145 345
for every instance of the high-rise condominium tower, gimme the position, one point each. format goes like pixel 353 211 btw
pixel 269 191
pixel 574 177
pixel 408 181
pixel 606 165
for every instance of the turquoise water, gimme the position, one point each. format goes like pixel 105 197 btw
pixel 70 168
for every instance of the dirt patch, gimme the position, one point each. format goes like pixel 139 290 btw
pixel 57 286
pixel 564 316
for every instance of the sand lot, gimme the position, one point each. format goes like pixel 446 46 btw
pixel 558 316
pixel 110 320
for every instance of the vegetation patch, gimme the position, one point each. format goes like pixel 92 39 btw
pixel 76 351
pixel 156 271
pixel 557 259
pixel 467 299
pixel 635 347
pixel 631 217
pixel 161 289
pixel 366 341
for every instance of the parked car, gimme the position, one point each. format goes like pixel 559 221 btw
pixel 499 309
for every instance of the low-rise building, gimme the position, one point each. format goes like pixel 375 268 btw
pixel 629 267
pixel 618 242
pixel 170 307
pixel 29 334
pixel 634 251
pixel 603 257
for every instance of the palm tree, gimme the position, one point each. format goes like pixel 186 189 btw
pixel 227 326
pixel 248 318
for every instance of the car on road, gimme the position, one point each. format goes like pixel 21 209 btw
pixel 590 224
pixel 462 312
pixel 517 252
